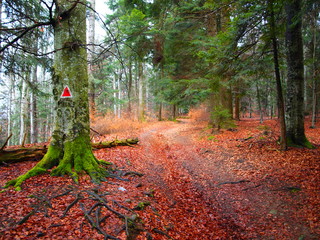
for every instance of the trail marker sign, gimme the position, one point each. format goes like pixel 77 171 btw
pixel 66 93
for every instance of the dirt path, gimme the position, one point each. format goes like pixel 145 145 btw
pixel 205 189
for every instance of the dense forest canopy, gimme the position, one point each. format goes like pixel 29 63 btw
pixel 158 59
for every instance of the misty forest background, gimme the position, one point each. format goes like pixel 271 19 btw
pixel 156 60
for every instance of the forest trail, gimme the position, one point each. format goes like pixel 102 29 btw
pixel 196 186
pixel 206 193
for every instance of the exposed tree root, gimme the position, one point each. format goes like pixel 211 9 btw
pixel 94 215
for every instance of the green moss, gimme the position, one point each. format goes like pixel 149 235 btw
pixel 212 138
pixel 50 159
pixel 303 142
pixel 105 163
pixel 263 128
pixel 141 205
pixel 78 158
pixel 19 180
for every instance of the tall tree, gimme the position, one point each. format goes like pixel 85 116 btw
pixel 70 148
pixel 295 131
pixel 91 52
pixel 281 109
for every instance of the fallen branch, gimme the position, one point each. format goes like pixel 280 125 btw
pixel 6 142
pixel 36 153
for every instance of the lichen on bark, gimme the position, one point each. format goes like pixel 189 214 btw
pixel 70 149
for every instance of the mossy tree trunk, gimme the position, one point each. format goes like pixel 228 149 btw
pixel 70 148
pixel 295 131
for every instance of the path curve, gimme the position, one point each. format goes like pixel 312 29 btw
pixel 216 201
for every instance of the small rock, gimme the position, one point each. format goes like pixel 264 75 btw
pixel 122 189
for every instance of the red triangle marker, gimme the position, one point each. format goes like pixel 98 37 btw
pixel 66 93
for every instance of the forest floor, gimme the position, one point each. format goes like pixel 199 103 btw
pixel 196 185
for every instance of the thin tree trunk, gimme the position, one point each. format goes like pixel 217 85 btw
pixel 130 87
pixel 9 111
pixel 33 109
pixel 174 111
pixel 114 87
pixel 160 112
pixel 91 51
pixel 281 110
pixel 259 103
pixel 237 102
pixel 23 111
pixel 141 83
pixel 314 75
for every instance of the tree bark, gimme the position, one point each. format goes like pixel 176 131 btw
pixel 295 131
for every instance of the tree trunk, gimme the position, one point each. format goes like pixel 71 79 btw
pixel 237 102
pixel 130 87
pixel 141 83
pixel 119 94
pixel 23 112
pixel 281 110
pixel 114 86
pixel 174 111
pixel 221 96
pixel 160 112
pixel 70 149
pixel 314 71
pixel 91 50
pixel 33 109
pixel 259 103
pixel 295 131
pixel 11 89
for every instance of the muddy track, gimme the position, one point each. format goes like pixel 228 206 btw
pixel 220 203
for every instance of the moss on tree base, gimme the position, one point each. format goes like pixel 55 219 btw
pixel 76 157
pixel 300 143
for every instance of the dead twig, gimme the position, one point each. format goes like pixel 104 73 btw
pixel 6 142
pixel 241 181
